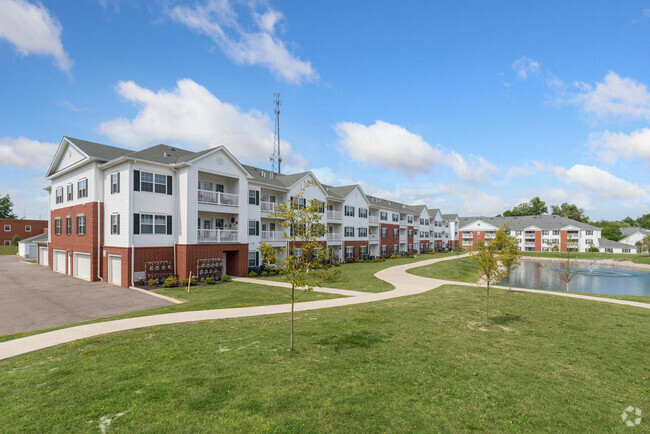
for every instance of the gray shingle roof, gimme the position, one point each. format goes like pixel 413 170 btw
pixel 544 222
pixel 609 244
pixel 433 212
pixel 340 192
pixel 629 231
pixel 417 209
pixel 388 204
pixel 98 150
pixel 450 216
pixel 263 176
pixel 35 239
pixel 161 154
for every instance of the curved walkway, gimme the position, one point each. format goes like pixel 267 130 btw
pixel 405 284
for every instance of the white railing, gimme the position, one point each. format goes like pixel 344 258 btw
pixel 373 220
pixel 529 244
pixel 218 198
pixel 402 239
pixel 268 206
pixel 333 237
pixel 272 236
pixel 217 236
pixel 331 214
pixel 373 237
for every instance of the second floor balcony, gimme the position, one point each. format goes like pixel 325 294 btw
pixel 272 236
pixel 218 198
pixel 373 220
pixel 334 215
pixel 268 206
pixel 217 236
pixel 333 237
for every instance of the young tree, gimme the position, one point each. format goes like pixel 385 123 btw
pixel 568 267
pixel 510 252
pixel 6 208
pixel 490 257
pixel 302 259
pixel 15 239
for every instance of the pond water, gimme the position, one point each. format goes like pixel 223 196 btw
pixel 592 278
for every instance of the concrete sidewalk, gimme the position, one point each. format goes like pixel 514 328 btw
pixel 405 284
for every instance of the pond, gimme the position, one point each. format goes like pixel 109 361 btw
pixel 591 278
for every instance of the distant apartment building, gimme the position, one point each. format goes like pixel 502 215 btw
pixel 632 236
pixel 21 227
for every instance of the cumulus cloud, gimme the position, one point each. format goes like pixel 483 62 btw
pixel 468 200
pixel 32 30
pixel 525 66
pixel 616 97
pixel 527 169
pixel 25 153
pixel 613 146
pixel 192 117
pixel 218 20
pixel 391 146
pixel 600 181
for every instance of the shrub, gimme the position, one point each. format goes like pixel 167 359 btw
pixel 362 261
pixel 392 256
pixel 272 273
pixel 170 282
pixel 264 274
pixel 192 282
pixel 209 281
pixel 398 256
pixel 349 260
pixel 226 278
pixel 593 249
pixel 15 239
pixel 252 274
pixel 152 282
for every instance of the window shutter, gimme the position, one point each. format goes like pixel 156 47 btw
pixel 257 259
pixel 118 182
pixel 118 224
pixel 257 228
pixel 136 182
pixel 169 223
pixel 169 185
pixel 136 224
pixel 257 197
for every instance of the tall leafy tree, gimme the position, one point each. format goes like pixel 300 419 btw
pixel 569 210
pixel 301 260
pixel 7 208
pixel 536 206
pixel 612 232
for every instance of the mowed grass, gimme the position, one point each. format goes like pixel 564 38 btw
pixel 422 363
pixel 361 276
pixel 223 296
pixel 595 256
pixel 8 250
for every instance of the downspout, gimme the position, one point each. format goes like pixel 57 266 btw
pixel 177 218
pixel 99 245
pixel 131 190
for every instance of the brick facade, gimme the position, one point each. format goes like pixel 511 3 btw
pixel 356 245
pixel 77 243
pixel 235 255
pixel 18 227
pixel 125 254
pixel 389 240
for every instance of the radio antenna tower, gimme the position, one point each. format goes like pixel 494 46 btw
pixel 276 156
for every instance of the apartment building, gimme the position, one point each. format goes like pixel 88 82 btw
pixel 126 216
pixel 22 227
pixel 534 233
pixel 451 230
pixel 631 236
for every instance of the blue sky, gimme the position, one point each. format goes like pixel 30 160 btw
pixel 472 107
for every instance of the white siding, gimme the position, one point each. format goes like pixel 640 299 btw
pixel 145 202
pixel 118 203
pixel 88 171
pixel 357 200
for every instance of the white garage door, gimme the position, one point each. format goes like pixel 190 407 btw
pixel 59 261
pixel 115 269
pixel 43 260
pixel 33 248
pixel 81 265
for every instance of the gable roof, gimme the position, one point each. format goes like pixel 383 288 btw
pixel 605 243
pixel 520 223
pixel 434 211
pixel 378 202
pixel 263 176
pixel 630 231
pixel 98 151
pixel 450 216
pixel 340 192
pixel 161 154
pixel 35 239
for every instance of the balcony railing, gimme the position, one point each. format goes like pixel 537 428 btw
pixel 333 237
pixel 529 244
pixel 373 237
pixel 373 220
pixel 272 236
pixel 268 206
pixel 332 214
pixel 217 236
pixel 218 198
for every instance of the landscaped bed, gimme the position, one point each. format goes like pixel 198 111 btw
pixel 420 363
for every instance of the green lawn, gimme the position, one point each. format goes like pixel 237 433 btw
pixel 361 277
pixel 639 259
pixel 421 363
pixel 8 250
pixel 466 269
pixel 233 294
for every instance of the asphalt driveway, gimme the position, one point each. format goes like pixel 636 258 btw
pixel 33 297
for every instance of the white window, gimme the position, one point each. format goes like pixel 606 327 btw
pixel 115 224
pixel 81 225
pixel 363 250
pixel 556 232
pixel 7 243
pixel 545 232
pixel 146 181
pixel 253 227
pixel 252 194
pixel 297 253
pixel 7 228
pixel 59 195
pixel 82 188
pixel 28 228
pixel 589 232
pixel 161 224
pixel 384 250
pixel 115 182
pixel 395 217
pixel 384 232
pixel 349 252
pixel 146 224
pixel 589 241
pixel 363 213
pixel 70 191
pixel 363 232
pixel 395 233
pixel 410 219
pixel 349 211
pixel 349 231
pixel 57 226
pixel 161 184
pixel 383 215
pixel 252 259
pixel 298 202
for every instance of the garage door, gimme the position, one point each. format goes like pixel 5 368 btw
pixel 115 269
pixel 59 261
pixel 81 265
pixel 43 259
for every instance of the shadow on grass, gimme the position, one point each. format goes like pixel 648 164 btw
pixel 504 319
pixel 355 339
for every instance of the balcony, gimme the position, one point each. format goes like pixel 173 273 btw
pixel 218 198
pixel 268 206
pixel 402 239
pixel 334 215
pixel 272 236
pixel 334 238
pixel 529 244
pixel 373 220
pixel 217 236
pixel 373 238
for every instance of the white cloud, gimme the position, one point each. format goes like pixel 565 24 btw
pixel 25 153
pixel 615 96
pixel 525 66
pixel 218 20
pixel 467 200
pixel 612 146
pixel 527 169
pixel 600 181
pixel 192 117
pixel 32 30
pixel 391 146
